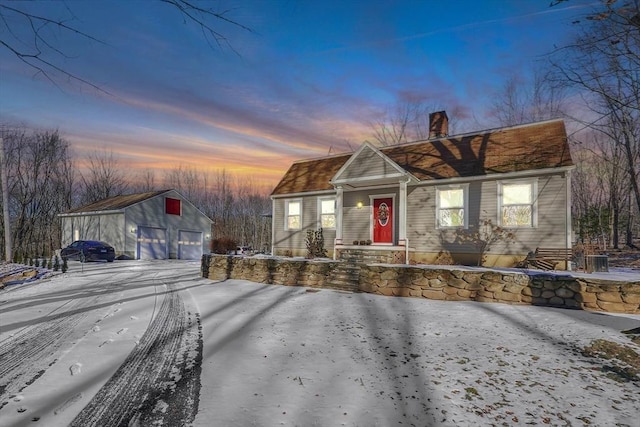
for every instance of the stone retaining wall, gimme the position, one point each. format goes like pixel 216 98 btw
pixel 271 270
pixel 439 282
pixel 534 288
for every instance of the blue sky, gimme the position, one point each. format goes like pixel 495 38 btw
pixel 308 78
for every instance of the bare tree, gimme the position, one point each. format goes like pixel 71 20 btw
pixel 145 180
pixel 405 122
pixel 583 188
pixel 39 177
pixel 250 208
pixel 524 101
pixel 6 219
pixel 102 178
pixel 613 183
pixel 603 63
pixel 188 180
pixel 37 40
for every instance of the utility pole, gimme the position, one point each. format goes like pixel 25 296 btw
pixel 5 204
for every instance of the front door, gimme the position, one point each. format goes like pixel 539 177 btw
pixel 383 220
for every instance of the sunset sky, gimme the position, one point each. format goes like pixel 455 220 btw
pixel 305 81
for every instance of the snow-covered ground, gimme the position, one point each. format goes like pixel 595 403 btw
pixel 152 343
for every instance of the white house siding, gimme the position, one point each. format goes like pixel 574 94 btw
pixel 424 238
pixel 421 219
pixel 369 163
pixel 355 222
pixel 111 230
pixel 295 240
pixel 66 225
pixel 104 227
pixel 552 215
pixel 483 204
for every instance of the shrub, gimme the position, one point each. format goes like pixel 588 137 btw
pixel 315 244
pixel 444 258
pixel 223 245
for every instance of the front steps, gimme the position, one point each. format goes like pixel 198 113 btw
pixel 346 276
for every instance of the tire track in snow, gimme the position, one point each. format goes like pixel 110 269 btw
pixel 159 382
pixel 26 356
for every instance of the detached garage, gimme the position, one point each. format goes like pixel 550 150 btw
pixel 153 225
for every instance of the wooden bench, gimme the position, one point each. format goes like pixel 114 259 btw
pixel 548 258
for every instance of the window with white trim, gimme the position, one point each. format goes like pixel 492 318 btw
pixel 327 212
pixel 517 204
pixel 293 214
pixel 451 206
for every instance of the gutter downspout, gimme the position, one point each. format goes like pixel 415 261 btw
pixel 339 212
pixel 406 251
pixel 273 225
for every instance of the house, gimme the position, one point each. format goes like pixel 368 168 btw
pixel 151 225
pixel 422 201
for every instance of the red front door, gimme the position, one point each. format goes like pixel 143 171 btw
pixel 383 220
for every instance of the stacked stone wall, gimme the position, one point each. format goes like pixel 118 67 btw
pixel 276 271
pixel 439 283
pixel 556 290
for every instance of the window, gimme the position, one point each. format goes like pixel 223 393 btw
pixel 173 206
pixel 327 212
pixel 451 204
pixel 517 207
pixel 293 214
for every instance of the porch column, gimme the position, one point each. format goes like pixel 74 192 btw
pixel 339 211
pixel 402 214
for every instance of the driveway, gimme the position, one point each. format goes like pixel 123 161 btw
pixel 152 343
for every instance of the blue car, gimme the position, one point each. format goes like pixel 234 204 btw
pixel 89 250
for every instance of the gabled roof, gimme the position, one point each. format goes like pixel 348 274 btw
pixel 116 203
pixel 527 147
pixel 369 164
pixel 310 175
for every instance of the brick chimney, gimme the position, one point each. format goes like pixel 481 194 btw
pixel 438 124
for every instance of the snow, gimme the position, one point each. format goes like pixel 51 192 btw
pixel 276 355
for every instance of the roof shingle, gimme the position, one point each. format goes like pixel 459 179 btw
pixel 514 149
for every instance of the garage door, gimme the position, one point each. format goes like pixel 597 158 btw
pixel 189 244
pixel 152 243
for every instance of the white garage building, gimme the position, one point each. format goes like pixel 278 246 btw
pixel 153 225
